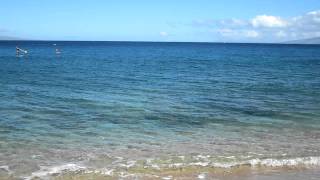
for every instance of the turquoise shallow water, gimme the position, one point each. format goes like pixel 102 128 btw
pixel 117 105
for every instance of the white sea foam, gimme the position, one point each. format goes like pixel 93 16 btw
pixel 204 161
pixel 225 165
pixel 167 178
pixel 307 161
pixel 176 165
pixel 104 171
pixel 203 164
pixel 45 171
pixel 128 164
pixel 182 157
pixel 202 176
pixel 202 157
pixel 6 168
pixel 108 172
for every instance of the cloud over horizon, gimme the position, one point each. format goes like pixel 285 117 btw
pixel 264 28
pixel 163 34
pixel 3 30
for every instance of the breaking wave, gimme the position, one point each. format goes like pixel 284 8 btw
pixel 123 169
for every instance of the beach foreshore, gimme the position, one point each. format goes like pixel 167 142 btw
pixel 241 173
pixel 193 172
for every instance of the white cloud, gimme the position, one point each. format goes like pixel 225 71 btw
pixel 266 28
pixel 232 22
pixel 226 32
pixel 231 33
pixel 268 21
pixel 315 15
pixel 203 23
pixel 163 34
pixel 251 34
pixel 281 34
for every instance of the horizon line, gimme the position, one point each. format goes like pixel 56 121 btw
pixel 213 42
pixel 199 42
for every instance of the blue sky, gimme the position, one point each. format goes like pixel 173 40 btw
pixel 165 20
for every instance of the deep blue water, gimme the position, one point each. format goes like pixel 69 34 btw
pixel 139 100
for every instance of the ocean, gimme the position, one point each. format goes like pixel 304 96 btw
pixel 148 110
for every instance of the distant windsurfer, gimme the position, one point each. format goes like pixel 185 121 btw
pixel 19 51
pixel 58 51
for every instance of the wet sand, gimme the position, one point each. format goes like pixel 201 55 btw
pixel 239 173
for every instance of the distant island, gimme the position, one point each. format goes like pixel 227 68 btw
pixel 304 41
pixel 9 38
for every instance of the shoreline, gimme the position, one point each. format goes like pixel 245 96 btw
pixel 196 172
pixel 155 169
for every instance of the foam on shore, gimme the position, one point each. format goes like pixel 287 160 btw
pixel 134 169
